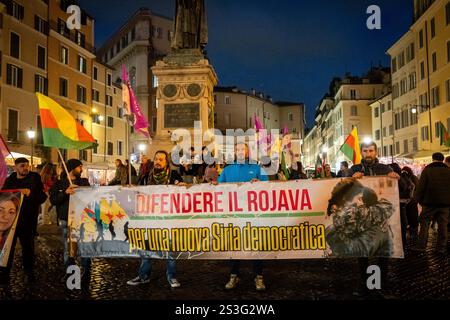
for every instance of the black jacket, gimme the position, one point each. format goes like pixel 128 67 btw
pixel 30 206
pixel 433 189
pixel 375 169
pixel 60 199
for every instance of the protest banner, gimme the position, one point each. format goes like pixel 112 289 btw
pixel 10 203
pixel 263 220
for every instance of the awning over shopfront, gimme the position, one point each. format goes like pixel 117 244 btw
pixel 14 155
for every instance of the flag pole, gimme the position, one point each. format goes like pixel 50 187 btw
pixel 65 167
pixel 129 150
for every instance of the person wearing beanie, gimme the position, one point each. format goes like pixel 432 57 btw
pixel 60 196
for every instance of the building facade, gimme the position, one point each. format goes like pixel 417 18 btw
pixel 346 106
pixel 138 44
pixel 404 98
pixel 431 30
pixel 24 70
pixel 383 127
pixel 236 109
pixel 40 54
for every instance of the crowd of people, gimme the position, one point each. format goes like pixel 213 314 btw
pixel 423 201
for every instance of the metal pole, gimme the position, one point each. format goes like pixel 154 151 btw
pixel 32 147
pixel 129 151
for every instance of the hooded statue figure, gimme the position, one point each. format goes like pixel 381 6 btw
pixel 190 26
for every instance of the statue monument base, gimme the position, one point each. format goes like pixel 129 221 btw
pixel 185 94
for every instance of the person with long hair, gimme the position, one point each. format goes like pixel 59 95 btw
pixel 161 174
pixel 48 177
pixel 9 207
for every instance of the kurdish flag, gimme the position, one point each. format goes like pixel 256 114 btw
pixel 351 147
pixel 60 129
pixel 443 134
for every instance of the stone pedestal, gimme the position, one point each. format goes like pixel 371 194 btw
pixel 186 82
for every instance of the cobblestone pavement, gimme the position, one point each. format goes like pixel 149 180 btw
pixel 418 276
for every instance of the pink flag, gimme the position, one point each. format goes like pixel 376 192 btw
pixel 258 125
pixel 4 152
pixel 140 122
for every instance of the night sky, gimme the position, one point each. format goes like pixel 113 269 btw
pixel 289 50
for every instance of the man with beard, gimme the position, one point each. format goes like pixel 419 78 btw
pixel 59 197
pixel 161 174
pixel 30 184
pixel 370 166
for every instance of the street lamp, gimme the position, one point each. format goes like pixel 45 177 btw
pixel 31 135
pixel 141 148
pixel 101 118
pixel 367 140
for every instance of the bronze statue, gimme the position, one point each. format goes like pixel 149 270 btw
pixel 190 27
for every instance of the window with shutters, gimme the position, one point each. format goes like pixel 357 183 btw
pixel 41 84
pixel 81 94
pixel 14 75
pixel 14 45
pixel 422 70
pixel 95 73
pixel 13 124
pixel 435 97
pixel 39 137
pixel 41 57
pixel 95 95
pixel 81 64
pixel 433 28
pixel 16 10
pixel 110 122
pixel 95 150
pixel 40 25
pixel 110 148
pixel 80 39
pixel 421 39
pixel 63 87
pixel 62 28
pixel 64 55
pixel 434 61
pixel 424 133
pixel 447 14
pixel 119 147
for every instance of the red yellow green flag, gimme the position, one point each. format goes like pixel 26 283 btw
pixel 351 148
pixel 59 127
pixel 443 134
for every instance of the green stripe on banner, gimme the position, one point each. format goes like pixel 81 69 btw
pixel 224 216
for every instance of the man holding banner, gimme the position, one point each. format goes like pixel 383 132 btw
pixel 242 171
pixel 30 185
pixel 161 174
pixel 370 166
pixel 60 196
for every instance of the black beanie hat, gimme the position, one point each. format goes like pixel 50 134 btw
pixel 72 164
